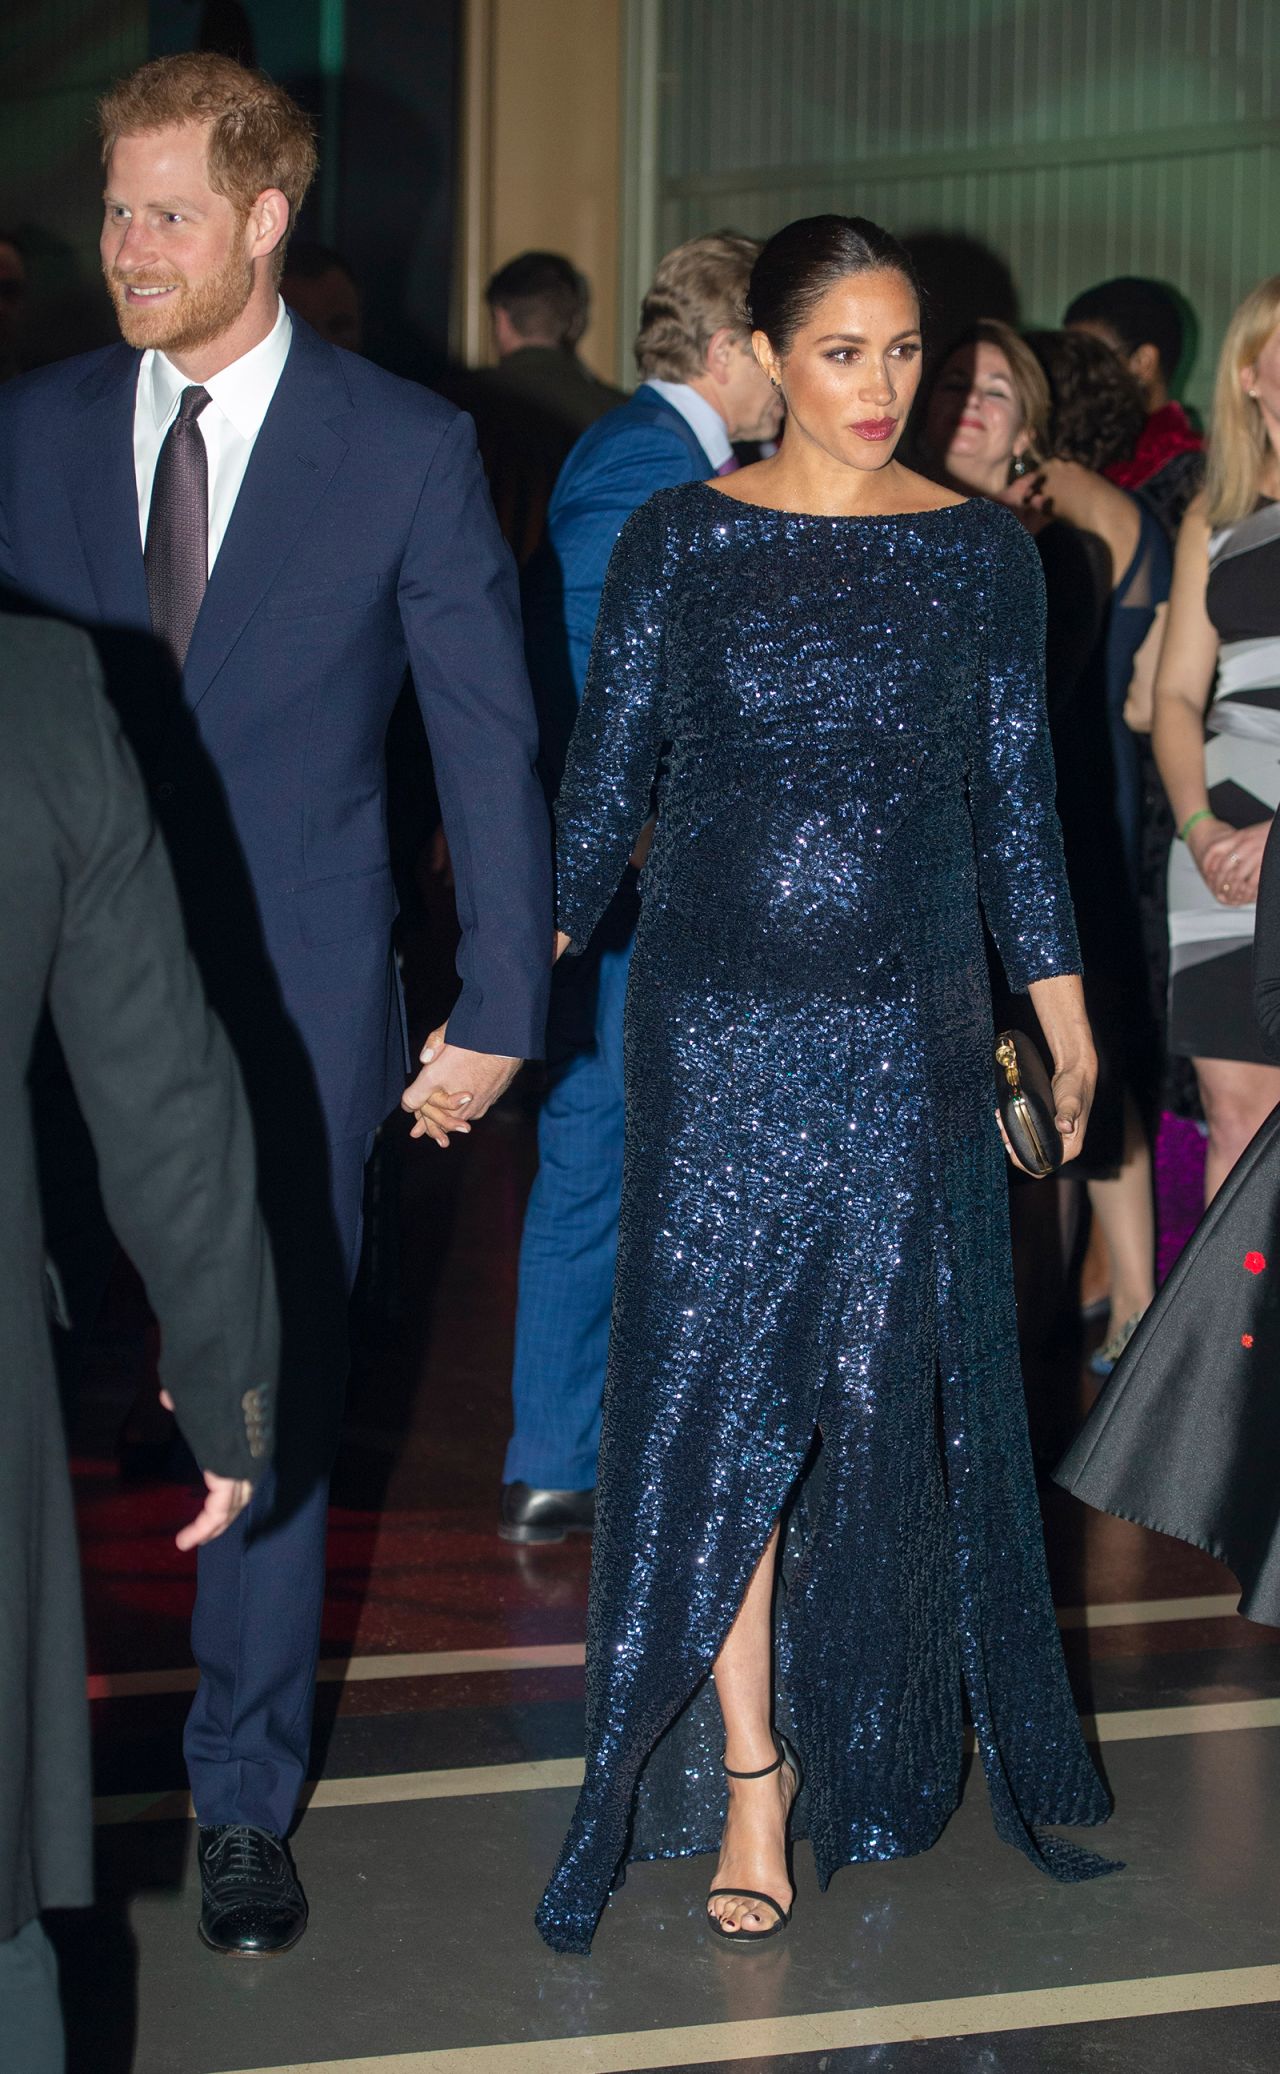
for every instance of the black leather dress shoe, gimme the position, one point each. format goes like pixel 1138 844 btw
pixel 251 1905
pixel 532 1514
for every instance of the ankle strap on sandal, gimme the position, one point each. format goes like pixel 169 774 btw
pixel 765 1769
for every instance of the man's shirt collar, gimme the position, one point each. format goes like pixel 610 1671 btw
pixel 242 391
pixel 702 418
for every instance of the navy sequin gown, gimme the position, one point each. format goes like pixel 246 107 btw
pixel 848 717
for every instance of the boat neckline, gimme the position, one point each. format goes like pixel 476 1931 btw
pixel 838 518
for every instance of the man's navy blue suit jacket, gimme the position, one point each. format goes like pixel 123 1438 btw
pixel 362 541
pixel 643 446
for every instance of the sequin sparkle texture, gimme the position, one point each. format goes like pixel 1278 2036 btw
pixel 847 720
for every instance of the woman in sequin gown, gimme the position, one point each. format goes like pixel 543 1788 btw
pixel 842 692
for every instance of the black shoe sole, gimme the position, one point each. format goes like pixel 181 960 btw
pixel 231 1951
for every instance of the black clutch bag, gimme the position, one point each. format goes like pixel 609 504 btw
pixel 1024 1097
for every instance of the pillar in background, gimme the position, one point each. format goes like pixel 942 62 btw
pixel 541 157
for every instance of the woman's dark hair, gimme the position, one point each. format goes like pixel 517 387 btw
pixel 804 260
pixel 1096 409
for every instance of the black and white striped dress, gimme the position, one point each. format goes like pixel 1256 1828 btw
pixel 1211 946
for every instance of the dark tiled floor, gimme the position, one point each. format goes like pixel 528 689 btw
pixel 421 1936
pixel 1218 2041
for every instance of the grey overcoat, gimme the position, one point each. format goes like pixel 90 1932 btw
pixel 89 926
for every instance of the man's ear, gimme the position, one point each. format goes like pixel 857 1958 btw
pixel 268 222
pixel 1144 363
pixel 720 353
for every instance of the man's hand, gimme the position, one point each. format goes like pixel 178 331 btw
pixel 226 1499
pixel 455 1087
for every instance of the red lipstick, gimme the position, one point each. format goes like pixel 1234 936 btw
pixel 875 428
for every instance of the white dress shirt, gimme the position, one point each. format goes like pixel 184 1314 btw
pixel 229 424
pixel 704 420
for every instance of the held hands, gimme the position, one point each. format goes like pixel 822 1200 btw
pixel 1229 859
pixel 455 1087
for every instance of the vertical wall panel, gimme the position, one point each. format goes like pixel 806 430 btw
pixel 1075 139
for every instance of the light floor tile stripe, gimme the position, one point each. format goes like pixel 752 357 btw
pixel 353 1670
pixel 458 1782
pixel 1212 1717
pixel 1146 1612
pixel 965 2016
pixel 456 1663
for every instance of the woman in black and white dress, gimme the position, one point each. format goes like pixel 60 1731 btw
pixel 1220 671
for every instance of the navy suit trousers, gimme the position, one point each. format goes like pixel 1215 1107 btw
pixel 256 1628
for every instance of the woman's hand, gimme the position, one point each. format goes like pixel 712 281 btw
pixel 1229 859
pixel 438 1113
pixel 1073 1098
pixel 1073 1086
pixel 1059 1006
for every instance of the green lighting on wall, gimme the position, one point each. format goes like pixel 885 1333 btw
pixel 333 37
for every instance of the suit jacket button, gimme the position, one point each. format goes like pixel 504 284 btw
pixel 164 790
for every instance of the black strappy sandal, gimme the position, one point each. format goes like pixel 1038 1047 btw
pixel 786 1755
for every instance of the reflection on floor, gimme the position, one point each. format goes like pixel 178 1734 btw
pixel 447 1744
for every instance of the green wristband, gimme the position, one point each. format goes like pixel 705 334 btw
pixel 1204 814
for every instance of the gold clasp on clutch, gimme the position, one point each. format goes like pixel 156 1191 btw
pixel 1008 1058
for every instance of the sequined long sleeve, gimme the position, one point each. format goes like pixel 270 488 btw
pixel 613 753
pixel 1022 877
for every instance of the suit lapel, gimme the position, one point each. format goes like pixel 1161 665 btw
pixel 294 458
pixel 98 459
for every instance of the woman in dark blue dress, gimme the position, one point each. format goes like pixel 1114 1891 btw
pixel 834 670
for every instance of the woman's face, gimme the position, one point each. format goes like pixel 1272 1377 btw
pixel 974 427
pixel 1261 380
pixel 851 372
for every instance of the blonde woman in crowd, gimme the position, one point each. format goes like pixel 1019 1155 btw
pixel 1221 659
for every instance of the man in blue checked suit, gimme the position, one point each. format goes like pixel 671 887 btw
pixel 262 531
pixel 701 389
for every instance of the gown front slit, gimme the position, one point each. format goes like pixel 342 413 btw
pixel 845 721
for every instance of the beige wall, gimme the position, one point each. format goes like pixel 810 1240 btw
pixel 541 155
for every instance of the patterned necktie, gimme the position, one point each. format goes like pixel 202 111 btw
pixel 176 555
